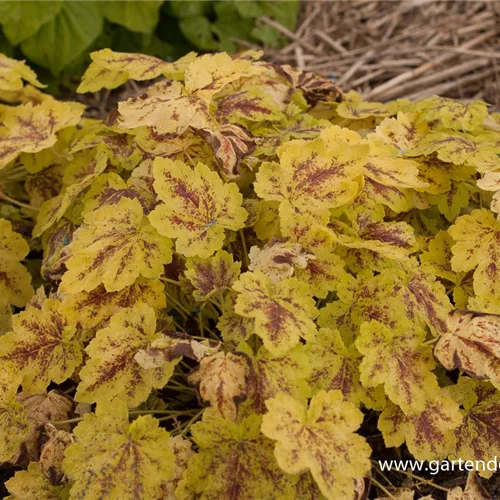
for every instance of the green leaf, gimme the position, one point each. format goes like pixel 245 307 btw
pixel 182 9
pixel 231 25
pixel 134 15
pixel 198 31
pixel 21 20
pixel 63 39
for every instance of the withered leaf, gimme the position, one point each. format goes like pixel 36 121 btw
pixel 222 380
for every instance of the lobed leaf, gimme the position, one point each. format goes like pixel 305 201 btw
pixel 115 458
pixel 321 439
pixel 282 311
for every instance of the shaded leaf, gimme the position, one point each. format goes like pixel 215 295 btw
pixel 32 483
pixel 27 128
pixel 212 275
pixel 398 359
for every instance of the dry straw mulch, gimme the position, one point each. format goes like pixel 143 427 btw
pixel 391 49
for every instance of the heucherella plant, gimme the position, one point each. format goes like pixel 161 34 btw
pixel 206 293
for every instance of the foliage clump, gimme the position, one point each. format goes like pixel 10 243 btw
pixel 204 294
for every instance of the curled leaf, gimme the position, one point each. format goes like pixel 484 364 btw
pixel 278 259
pixel 222 380
pixel 472 344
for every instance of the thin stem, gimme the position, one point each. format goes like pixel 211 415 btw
pixel 130 413
pixel 200 320
pixel 69 421
pixel 178 384
pixel 179 307
pixel 422 480
pixel 383 488
pixel 191 422
pixel 244 246
pixel 178 325
pixel 190 159
pixel 172 282
pixel 430 341
pixel 3 196
pixel 378 471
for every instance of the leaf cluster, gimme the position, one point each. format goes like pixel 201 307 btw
pixel 234 271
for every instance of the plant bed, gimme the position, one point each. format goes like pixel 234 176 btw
pixel 245 283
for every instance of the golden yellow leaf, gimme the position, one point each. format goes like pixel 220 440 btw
pixel 405 132
pixel 234 328
pixel 88 309
pixel 477 437
pixel 42 346
pixel 393 240
pixel 282 311
pixel 15 280
pixel 27 128
pixel 183 451
pixel 429 435
pixel 12 74
pixel 234 461
pixel 315 175
pixel 335 366
pixel 476 248
pixel 32 483
pixel 323 273
pixel 53 210
pixel 116 459
pixel 172 107
pixel 114 247
pixel 358 109
pixel 197 207
pixel 273 375
pixel 397 358
pixel 14 425
pixel 112 371
pixel 111 69
pixel 321 439
pixel 167 109
pixel 452 114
